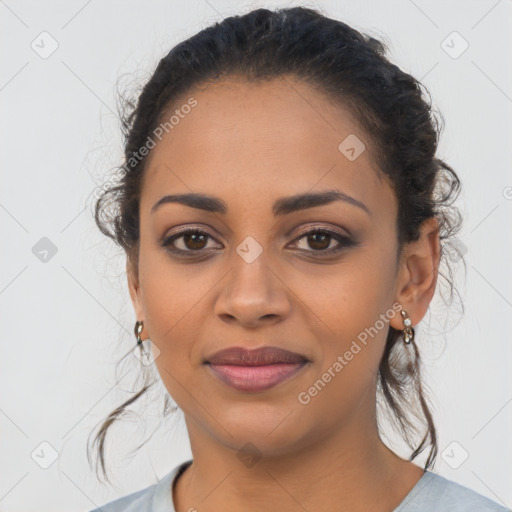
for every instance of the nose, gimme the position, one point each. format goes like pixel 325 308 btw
pixel 253 294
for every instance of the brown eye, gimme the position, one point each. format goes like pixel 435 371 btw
pixel 320 240
pixel 190 240
pixel 194 240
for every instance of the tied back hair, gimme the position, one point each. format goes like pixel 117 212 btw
pixel 352 70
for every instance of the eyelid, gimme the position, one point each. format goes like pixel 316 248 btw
pixel 186 228
pixel 343 240
pixel 183 230
pixel 322 227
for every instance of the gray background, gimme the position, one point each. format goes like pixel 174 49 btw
pixel 66 316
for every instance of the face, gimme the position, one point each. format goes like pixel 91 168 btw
pixel 265 271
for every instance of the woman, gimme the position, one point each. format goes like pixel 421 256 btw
pixel 282 211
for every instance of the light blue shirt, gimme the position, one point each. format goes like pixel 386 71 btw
pixel 432 493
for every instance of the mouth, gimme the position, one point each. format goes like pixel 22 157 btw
pixel 255 370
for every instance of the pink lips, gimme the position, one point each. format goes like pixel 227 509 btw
pixel 255 370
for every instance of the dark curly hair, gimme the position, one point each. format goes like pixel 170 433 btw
pixel 351 69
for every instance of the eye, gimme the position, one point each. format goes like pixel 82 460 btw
pixel 320 241
pixel 187 240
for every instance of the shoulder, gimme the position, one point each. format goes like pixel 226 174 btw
pixel 139 501
pixel 434 493
pixel 154 497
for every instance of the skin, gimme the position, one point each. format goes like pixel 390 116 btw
pixel 250 144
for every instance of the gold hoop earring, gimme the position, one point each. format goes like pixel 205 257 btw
pixel 408 331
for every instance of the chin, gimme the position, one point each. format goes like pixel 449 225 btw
pixel 272 429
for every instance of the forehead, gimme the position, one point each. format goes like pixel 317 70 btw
pixel 273 138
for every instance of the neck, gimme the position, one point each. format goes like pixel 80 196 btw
pixel 352 470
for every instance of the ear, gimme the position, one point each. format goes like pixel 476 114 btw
pixel 134 288
pixel 417 274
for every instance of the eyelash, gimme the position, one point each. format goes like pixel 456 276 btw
pixel 343 240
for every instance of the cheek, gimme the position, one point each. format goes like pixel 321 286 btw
pixel 172 308
pixel 174 322
pixel 354 306
pixel 171 295
pixel 345 376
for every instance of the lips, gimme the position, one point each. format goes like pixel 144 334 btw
pixel 255 370
pixel 258 357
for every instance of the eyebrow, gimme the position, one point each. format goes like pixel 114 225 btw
pixel 282 206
